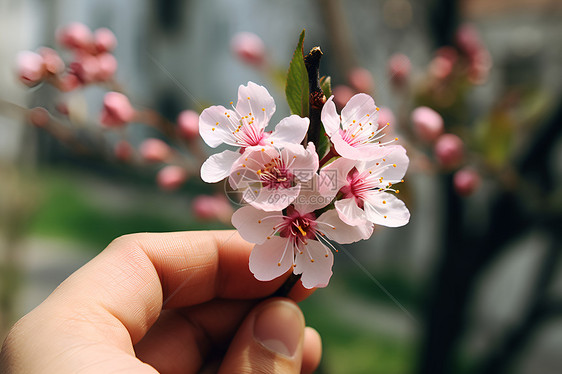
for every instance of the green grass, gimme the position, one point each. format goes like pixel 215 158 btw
pixel 66 212
pixel 351 350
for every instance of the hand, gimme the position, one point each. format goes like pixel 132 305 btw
pixel 170 303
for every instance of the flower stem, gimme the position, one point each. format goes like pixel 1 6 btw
pixel 316 98
pixel 286 287
pixel 331 154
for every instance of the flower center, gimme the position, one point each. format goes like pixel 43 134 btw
pixel 275 175
pixel 299 227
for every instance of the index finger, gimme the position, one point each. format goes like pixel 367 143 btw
pixel 139 274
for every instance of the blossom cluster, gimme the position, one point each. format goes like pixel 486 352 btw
pixel 298 206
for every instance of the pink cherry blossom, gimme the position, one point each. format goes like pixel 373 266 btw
pixel 117 110
pixel 188 124
pixel 249 48
pixel 244 127
pixel 104 40
pixel 367 191
pixel 428 124
pixel 355 134
pixel 297 240
pixel 75 36
pixel 212 208
pixel 449 151
pixel 171 177
pixel 271 178
pixel 30 68
pixel 155 150
pixel 466 181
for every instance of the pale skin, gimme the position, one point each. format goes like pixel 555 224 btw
pixel 165 303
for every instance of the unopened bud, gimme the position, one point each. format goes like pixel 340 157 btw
pixel 449 151
pixel 51 61
pixel 212 208
pixel 155 150
pixel 117 109
pixel 104 40
pixel 68 82
pixel 428 124
pixel 39 117
pixel 342 94
pixel 107 66
pixel 171 177
pixel 75 36
pixel 361 80
pixel 188 124
pixel 30 68
pixel 86 68
pixel 399 68
pixel 123 151
pixel 466 181
pixel 249 48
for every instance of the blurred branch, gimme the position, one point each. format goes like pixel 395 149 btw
pixel 538 312
pixel 443 21
pixel 339 35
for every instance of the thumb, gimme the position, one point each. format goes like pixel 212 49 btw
pixel 270 340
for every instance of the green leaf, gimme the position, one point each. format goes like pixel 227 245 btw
pixel 323 145
pixel 326 86
pixel 296 88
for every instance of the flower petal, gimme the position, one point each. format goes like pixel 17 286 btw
pixel 310 198
pixel 271 259
pixel 255 225
pixel 270 199
pixel 333 176
pixel 391 167
pixel 315 263
pixel 215 127
pixel 383 208
pixel 358 108
pixel 290 130
pixel 349 212
pixel 337 230
pixel 366 151
pixel 330 117
pixel 303 162
pixel 218 166
pixel 255 99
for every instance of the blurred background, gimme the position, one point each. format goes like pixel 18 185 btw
pixel 473 89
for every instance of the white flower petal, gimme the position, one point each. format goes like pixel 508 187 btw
pixel 365 151
pixel 255 99
pixel 270 199
pixel 218 166
pixel 271 259
pixel 337 230
pixel 290 130
pixel 303 162
pixel 310 198
pixel 349 212
pixel 357 108
pixel 255 225
pixel 391 167
pixel 330 118
pixel 215 127
pixel 383 208
pixel 315 263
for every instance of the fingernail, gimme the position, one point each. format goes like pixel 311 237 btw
pixel 279 327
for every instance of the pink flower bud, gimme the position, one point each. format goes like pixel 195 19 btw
pixel 51 61
pixel 468 39
pixel 86 68
pixel 75 36
pixel 39 117
pixel 107 66
pixel 104 40
pixel 449 151
pixel 117 110
pixel 68 82
pixel 428 124
pixel 188 124
pixel 342 94
pixel 155 150
pixel 212 208
pixel 30 68
pixel 171 177
pixel 480 65
pixel 466 181
pixel 123 151
pixel 399 68
pixel 62 108
pixel 361 80
pixel 249 48
pixel 440 67
pixel 385 117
